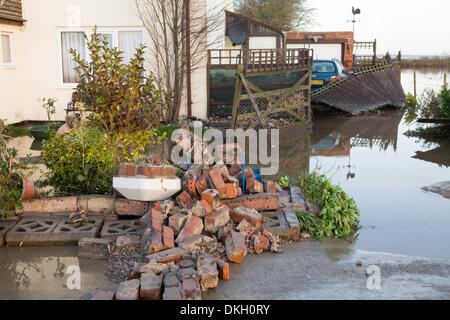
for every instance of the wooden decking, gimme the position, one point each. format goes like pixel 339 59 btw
pixel 260 61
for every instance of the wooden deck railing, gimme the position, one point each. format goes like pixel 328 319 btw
pixel 261 60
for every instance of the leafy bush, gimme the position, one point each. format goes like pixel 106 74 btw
pixel 81 161
pixel 339 216
pixel 311 224
pixel 119 98
pixel 444 102
pixel 11 172
pixel 284 182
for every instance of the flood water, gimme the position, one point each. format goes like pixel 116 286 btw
pixel 383 170
pixel 369 156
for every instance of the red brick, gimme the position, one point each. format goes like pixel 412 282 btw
pixel 127 169
pixel 259 202
pixel 217 219
pixel 156 171
pixel 251 215
pixel 236 248
pixel 211 196
pixel 253 186
pixel 128 290
pixel 190 285
pixel 260 242
pixel 223 171
pixel 201 184
pixel 206 206
pixel 177 221
pixel 173 293
pixel 168 238
pixel 231 191
pixel 193 226
pixel 235 169
pixel 224 269
pixel 154 243
pixel 150 288
pixel 217 182
pixel 172 255
pixel 59 204
pixel 152 219
pixel 185 200
pixel 270 186
pixel 191 188
pixel 126 207
pixel 249 174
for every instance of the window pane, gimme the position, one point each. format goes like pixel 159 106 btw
pixel 71 40
pixel 6 48
pixel 128 42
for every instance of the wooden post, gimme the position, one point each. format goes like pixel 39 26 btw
pixel 237 95
pixel 375 52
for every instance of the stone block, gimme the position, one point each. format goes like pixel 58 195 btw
pixel 152 220
pixel 171 280
pixel 260 242
pixel 94 248
pixel 270 186
pixel 152 171
pixel 276 223
pixel 128 240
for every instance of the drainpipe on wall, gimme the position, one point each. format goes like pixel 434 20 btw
pixel 188 58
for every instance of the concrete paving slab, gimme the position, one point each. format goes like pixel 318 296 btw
pixel 4 228
pixel 51 231
pixel 113 229
pixel 276 223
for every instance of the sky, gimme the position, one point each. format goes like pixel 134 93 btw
pixel 416 27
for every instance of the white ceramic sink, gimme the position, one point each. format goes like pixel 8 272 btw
pixel 146 189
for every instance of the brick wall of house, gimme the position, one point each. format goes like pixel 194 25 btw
pixel 328 37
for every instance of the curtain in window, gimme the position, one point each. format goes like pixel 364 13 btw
pixel 128 42
pixel 71 40
pixel 6 48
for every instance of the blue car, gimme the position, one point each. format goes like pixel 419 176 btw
pixel 325 72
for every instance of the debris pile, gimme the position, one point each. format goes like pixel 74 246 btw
pixel 186 244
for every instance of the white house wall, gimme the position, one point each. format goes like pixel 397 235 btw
pixel 322 51
pixel 36 72
pixel 262 43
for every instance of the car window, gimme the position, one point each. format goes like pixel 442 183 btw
pixel 324 67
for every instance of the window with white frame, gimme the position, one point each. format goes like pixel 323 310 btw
pixel 6 49
pixel 126 40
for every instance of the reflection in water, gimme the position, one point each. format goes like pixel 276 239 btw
pixel 40 273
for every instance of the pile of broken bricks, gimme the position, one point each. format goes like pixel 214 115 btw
pixel 186 244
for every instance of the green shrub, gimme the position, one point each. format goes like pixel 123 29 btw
pixel 339 216
pixel 81 161
pixel 119 98
pixel 11 172
pixel 311 224
pixel 444 102
pixel 284 182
